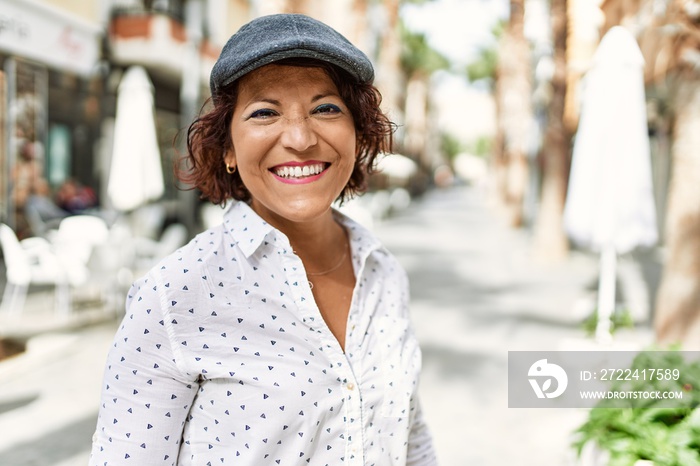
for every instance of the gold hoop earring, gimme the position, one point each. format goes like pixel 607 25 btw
pixel 230 170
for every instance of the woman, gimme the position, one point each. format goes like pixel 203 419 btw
pixel 281 336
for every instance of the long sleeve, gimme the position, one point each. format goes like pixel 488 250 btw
pixel 145 395
pixel 224 358
pixel 420 442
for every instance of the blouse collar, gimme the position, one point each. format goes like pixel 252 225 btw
pixel 250 231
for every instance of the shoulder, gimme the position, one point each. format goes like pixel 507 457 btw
pixel 186 275
pixel 378 268
pixel 203 248
pixel 365 243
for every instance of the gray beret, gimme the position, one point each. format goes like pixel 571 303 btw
pixel 275 37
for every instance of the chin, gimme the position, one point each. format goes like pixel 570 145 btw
pixel 296 211
pixel 304 211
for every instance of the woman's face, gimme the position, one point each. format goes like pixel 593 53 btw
pixel 293 142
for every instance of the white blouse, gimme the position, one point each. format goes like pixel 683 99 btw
pixel 223 358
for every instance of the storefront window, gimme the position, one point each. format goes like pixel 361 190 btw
pixel 27 139
pixel 59 155
pixel 4 159
pixel 167 128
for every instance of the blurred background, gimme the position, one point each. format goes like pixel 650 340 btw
pixel 544 193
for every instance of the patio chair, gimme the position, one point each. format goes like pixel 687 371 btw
pixel 78 235
pixel 148 252
pixel 32 261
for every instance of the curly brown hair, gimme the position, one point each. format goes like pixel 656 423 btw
pixel 209 137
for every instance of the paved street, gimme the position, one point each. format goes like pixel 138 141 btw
pixel 49 398
pixel 476 294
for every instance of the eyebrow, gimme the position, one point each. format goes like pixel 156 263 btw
pixel 263 99
pixel 324 95
pixel 315 98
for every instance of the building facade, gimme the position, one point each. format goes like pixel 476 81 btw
pixel 62 61
pixel 50 113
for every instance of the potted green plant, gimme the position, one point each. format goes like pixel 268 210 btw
pixel 651 431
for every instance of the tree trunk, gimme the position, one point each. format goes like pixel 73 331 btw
pixel 498 152
pixel 514 94
pixel 416 119
pixel 550 241
pixel 296 6
pixel 388 69
pixel 678 301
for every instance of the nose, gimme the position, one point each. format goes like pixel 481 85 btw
pixel 298 134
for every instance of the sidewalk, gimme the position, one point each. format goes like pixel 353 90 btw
pixel 49 393
pixel 476 294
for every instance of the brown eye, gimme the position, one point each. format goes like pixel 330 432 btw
pixel 327 109
pixel 263 113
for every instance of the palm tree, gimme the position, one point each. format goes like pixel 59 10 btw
pixel 550 242
pixel 678 299
pixel 671 48
pixel 418 62
pixel 388 72
pixel 514 108
pixel 296 6
pixel 486 68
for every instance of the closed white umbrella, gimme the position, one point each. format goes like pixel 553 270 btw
pixel 136 175
pixel 397 166
pixel 610 205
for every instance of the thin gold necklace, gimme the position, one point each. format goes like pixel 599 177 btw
pixel 332 269
pixel 325 272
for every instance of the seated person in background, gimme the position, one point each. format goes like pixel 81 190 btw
pixel 27 181
pixel 75 198
pixel 43 214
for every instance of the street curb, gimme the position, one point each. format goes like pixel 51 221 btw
pixel 48 340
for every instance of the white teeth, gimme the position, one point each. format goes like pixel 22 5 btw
pixel 298 172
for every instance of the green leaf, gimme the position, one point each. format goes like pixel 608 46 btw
pixel 668 436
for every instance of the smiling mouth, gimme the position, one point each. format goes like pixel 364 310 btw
pixel 299 172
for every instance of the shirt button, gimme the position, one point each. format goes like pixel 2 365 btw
pixel 351 386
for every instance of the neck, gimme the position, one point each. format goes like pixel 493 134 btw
pixel 323 253
pixel 319 245
pixel 318 241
